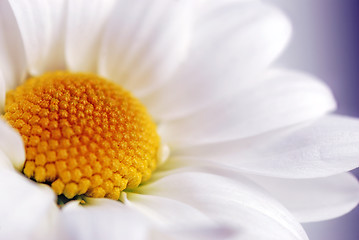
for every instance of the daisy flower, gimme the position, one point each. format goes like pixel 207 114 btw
pixel 163 119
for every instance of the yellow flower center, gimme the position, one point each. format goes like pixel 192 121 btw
pixel 83 134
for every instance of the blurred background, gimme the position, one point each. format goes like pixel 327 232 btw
pixel 325 43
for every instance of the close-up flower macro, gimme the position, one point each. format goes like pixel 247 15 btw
pixel 164 119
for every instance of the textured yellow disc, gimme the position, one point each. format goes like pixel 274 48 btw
pixel 83 134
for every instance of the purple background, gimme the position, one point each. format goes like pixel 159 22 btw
pixel 325 43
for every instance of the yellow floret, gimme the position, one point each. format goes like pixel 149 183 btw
pixel 83 134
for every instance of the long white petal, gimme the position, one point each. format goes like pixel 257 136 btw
pixel 196 233
pixel 168 212
pixel 232 46
pixel 85 23
pixel 12 57
pixel 12 145
pixel 27 210
pixel 2 92
pixel 144 42
pixel 5 162
pixel 177 220
pixel 322 148
pixel 102 219
pixel 284 98
pixel 233 203
pixel 42 27
pixel 315 199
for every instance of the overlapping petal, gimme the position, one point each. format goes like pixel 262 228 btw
pixel 102 219
pixel 42 27
pixel 314 199
pixel 28 210
pixel 144 42
pixel 2 92
pixel 5 163
pixel 12 57
pixel 322 148
pixel 85 25
pixel 231 47
pixel 164 211
pixel 236 204
pixel 12 145
pixel 195 233
pixel 283 98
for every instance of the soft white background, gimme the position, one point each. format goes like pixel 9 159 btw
pixel 321 45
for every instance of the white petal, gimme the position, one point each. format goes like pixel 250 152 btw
pixel 102 219
pixel 42 27
pixel 12 57
pixel 27 210
pixel 5 162
pixel 12 145
pixel 144 42
pixel 315 199
pixel 2 93
pixel 195 233
pixel 284 98
pixel 107 219
pixel 232 203
pixel 326 147
pixel 232 46
pixel 176 220
pixel 168 212
pixel 86 20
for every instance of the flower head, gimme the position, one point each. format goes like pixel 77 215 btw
pixel 83 134
pixel 170 110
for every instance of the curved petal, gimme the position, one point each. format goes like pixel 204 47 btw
pixel 144 42
pixel 284 98
pixel 2 93
pixel 232 203
pixel 176 220
pixel 86 20
pixel 102 219
pixel 322 148
pixel 28 210
pixel 42 27
pixel 315 199
pixel 195 233
pixel 168 212
pixel 12 57
pixel 107 219
pixel 232 46
pixel 12 145
pixel 5 162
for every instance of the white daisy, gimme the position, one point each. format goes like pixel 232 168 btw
pixel 245 153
